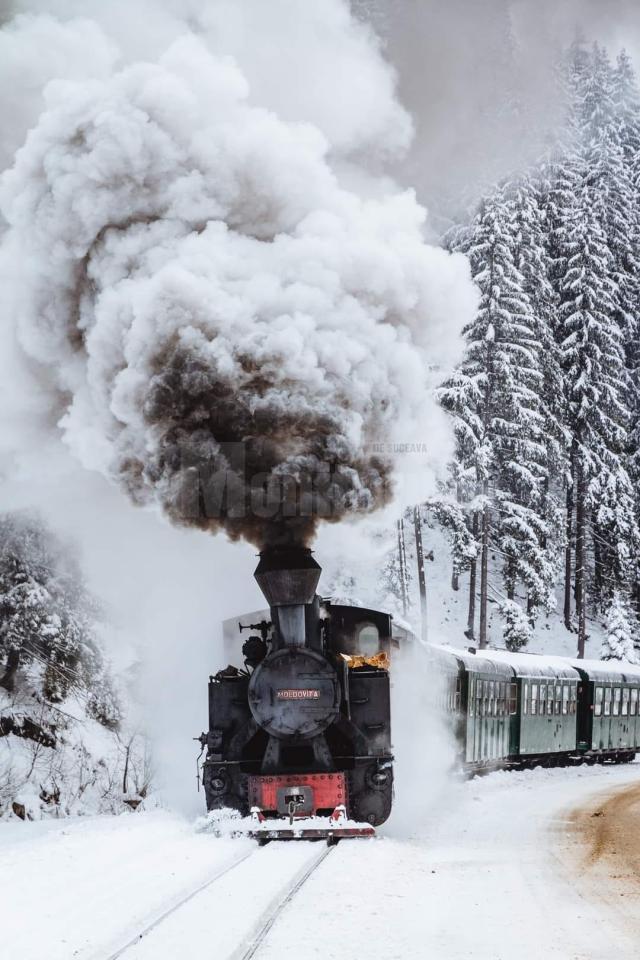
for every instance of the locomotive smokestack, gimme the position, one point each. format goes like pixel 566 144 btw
pixel 288 577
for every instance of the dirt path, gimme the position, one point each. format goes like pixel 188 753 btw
pixel 605 835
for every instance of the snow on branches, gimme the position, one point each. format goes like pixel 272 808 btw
pixel 545 402
pixel 65 743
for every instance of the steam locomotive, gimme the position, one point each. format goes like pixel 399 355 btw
pixel 303 730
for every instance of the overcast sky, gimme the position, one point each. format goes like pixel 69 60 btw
pixel 456 79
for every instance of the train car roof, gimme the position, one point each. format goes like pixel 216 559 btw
pixel 606 671
pixel 506 664
pixel 536 665
pixel 474 663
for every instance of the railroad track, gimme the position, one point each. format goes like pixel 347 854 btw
pixel 253 943
pixel 176 905
pixel 249 943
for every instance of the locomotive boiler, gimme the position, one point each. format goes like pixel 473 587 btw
pixel 303 729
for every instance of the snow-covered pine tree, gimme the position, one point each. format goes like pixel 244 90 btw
pixel 618 641
pixel 450 515
pixel 47 618
pixel 516 631
pixel 495 399
pixel 587 202
pixel 561 175
pixel 626 101
pixel 593 362
pixel 564 241
pixel 609 192
pixel 537 502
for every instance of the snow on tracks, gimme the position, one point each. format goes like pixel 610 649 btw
pixel 166 913
pixel 79 889
pixel 222 917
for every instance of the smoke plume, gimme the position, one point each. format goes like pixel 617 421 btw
pixel 232 314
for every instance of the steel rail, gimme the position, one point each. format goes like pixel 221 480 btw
pixel 250 947
pixel 178 904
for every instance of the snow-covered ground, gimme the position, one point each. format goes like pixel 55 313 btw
pixel 486 876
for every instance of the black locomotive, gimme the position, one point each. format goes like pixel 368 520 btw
pixel 304 729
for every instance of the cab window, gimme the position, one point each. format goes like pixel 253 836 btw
pixel 368 640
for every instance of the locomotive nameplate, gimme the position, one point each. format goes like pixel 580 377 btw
pixel 297 694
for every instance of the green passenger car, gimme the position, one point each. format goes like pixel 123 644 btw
pixel 514 710
pixel 484 705
pixel 547 705
pixel 610 718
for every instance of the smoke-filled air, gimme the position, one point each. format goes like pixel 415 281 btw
pixel 232 315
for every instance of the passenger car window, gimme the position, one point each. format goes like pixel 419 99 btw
pixel 625 702
pixel 607 701
pixel 542 700
pixel 634 702
pixel 565 698
pixel 534 698
pixel 597 708
pixel 513 699
pixel 573 697
pixel 617 696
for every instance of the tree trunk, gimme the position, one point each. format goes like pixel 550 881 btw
pixel 402 566
pixel 422 580
pixel 599 562
pixel 484 571
pixel 581 602
pixel 567 558
pixel 125 775
pixel 455 574
pixel 8 680
pixel 531 610
pixel 511 578
pixel 471 618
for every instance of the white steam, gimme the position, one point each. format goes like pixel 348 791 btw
pixel 188 268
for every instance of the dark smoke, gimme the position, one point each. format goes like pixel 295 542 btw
pixel 230 458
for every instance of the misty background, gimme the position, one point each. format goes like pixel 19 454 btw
pixel 478 78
